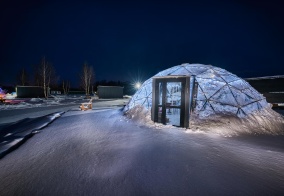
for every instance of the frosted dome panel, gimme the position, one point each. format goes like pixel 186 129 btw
pixel 196 70
pixel 240 84
pixel 180 71
pixel 225 96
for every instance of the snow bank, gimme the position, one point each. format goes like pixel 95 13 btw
pixel 21 105
pixel 36 100
pixel 127 96
pixel 14 135
pixel 11 96
pixel 39 102
pixel 265 121
pixel 141 115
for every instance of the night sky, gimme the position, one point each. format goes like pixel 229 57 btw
pixel 123 40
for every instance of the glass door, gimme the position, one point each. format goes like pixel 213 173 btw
pixel 173 103
pixel 169 102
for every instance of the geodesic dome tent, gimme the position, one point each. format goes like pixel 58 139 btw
pixel 219 91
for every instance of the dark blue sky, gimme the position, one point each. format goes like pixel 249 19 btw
pixel 121 38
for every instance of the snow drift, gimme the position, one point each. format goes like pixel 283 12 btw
pixel 266 122
pixel 15 134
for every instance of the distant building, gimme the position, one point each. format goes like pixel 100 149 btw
pixel 29 91
pixel 107 92
pixel 55 92
pixel 272 87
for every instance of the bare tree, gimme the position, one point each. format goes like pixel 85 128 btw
pixel 66 87
pixel 53 78
pixel 37 78
pixel 35 75
pixel 87 77
pixel 46 74
pixel 23 77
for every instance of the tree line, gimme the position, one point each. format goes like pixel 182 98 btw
pixel 45 76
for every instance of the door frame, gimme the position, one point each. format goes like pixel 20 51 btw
pixel 184 107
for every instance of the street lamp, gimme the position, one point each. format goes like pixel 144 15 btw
pixel 137 85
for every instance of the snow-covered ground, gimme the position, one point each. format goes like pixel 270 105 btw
pixel 35 107
pixel 105 153
pixel 14 135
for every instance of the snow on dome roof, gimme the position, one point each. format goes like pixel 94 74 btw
pixel 219 91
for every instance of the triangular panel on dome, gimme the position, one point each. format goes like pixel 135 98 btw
pixel 206 105
pixel 227 77
pixel 263 103
pixel 225 96
pixel 210 74
pixel 148 102
pixel 251 107
pixel 140 102
pixel 239 84
pixel 220 70
pixel 148 89
pixel 181 71
pixel 241 113
pixel 206 109
pixel 259 106
pixel 210 87
pixel 251 92
pixel 196 69
pixel 200 94
pixel 200 105
pixel 242 98
pixel 150 95
pixel 224 108
pixel 141 94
